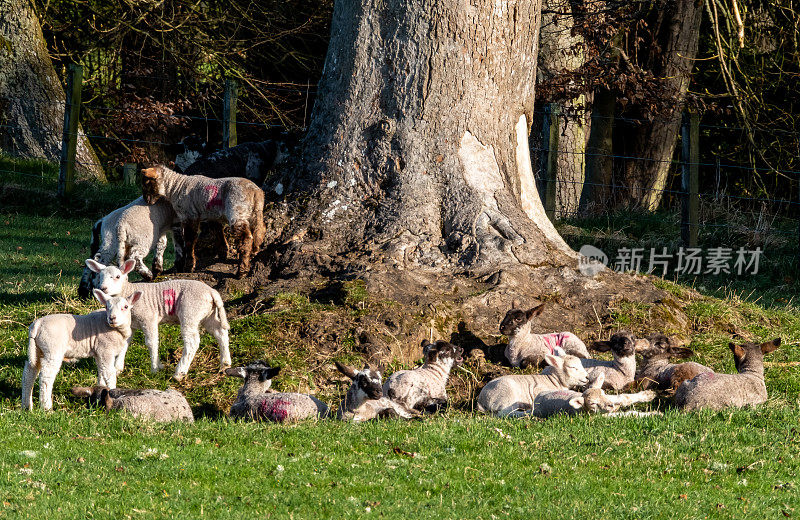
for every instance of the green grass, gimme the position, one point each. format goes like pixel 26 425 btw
pixel 84 463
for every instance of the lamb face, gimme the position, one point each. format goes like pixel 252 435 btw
pixel 257 377
pixel 110 279
pixel 153 188
pixel 569 371
pixel 118 309
pixel 621 344
pixel 367 382
pixel 443 353
pixel 515 319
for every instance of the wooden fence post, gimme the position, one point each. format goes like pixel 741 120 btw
pixel 229 114
pixel 129 174
pixel 690 178
pixel 69 136
pixel 551 126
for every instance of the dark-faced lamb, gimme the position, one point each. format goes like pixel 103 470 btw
pixel 190 303
pixel 424 388
pixel 56 338
pixel 526 348
pixel 718 391
pixel 621 370
pixel 657 372
pixel 364 400
pixel 130 232
pixel 150 404
pixel 197 198
pixel 593 400
pixel 513 396
pixel 257 402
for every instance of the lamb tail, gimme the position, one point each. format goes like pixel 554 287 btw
pixel 33 350
pixel 219 310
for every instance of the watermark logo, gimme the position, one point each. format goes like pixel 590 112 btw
pixel 591 260
pixel 687 260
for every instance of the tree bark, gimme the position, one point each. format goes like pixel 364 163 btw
pixel 417 153
pixel 562 52
pixel 655 142
pixel 32 99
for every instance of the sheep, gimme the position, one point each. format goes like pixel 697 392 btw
pixel 364 400
pixel 718 391
pixel 513 396
pixel 592 400
pixel 198 198
pixel 150 404
pixel 56 338
pixel 249 160
pixel 257 402
pixel 130 232
pixel 618 372
pixel 190 303
pixel 424 388
pixel 657 372
pixel 526 348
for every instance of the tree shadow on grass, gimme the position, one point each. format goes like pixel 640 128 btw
pixel 27 298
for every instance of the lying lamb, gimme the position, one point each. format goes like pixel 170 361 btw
pixel 257 402
pixel 197 198
pixel 657 372
pixel 718 391
pixel 150 404
pixel 592 400
pixel 56 338
pixel 526 348
pixel 130 232
pixel 514 395
pixel 424 388
pixel 618 372
pixel 364 400
pixel 190 303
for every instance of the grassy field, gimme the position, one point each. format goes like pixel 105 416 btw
pixel 77 463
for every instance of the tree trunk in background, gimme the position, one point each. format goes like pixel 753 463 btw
pixel 560 52
pixel 678 38
pixel 597 190
pixel 417 153
pixel 31 95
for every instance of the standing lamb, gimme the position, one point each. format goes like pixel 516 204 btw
pixel 257 402
pixel 130 232
pixel 657 372
pixel 364 400
pixel 52 339
pixel 424 388
pixel 526 348
pixel 150 404
pixel 718 391
pixel 592 400
pixel 190 303
pixel 514 395
pixel 197 198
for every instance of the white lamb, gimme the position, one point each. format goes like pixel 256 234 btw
pixel 591 400
pixel 52 339
pixel 424 388
pixel 130 232
pixel 190 303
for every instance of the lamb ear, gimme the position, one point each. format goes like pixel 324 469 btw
pixel 534 311
pixel 600 346
pixel 598 381
pixel 346 370
pixel 236 372
pixel 94 265
pixel 151 173
pixel 134 298
pixel 738 351
pixel 128 266
pixel 554 361
pixel 576 402
pixel 272 372
pixel 514 304
pixel 681 352
pixel 105 399
pixel 101 296
pixel 770 346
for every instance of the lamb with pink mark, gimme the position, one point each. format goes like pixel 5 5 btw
pixel 56 338
pixel 526 348
pixel 190 303
pixel 257 402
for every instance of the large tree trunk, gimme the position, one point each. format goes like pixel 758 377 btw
pixel 561 51
pixel 31 95
pixel 417 152
pixel 678 37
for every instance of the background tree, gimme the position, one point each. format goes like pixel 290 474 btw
pixel 31 95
